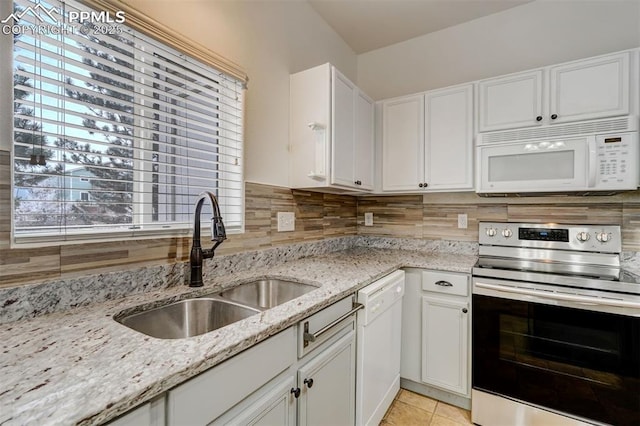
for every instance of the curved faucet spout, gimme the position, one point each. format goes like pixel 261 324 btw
pixel 218 234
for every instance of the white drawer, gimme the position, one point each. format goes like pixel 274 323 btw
pixel 446 282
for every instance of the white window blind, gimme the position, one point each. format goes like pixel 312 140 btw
pixel 116 134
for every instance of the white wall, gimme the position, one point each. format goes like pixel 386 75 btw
pixel 269 40
pixel 536 34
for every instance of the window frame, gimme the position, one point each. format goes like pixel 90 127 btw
pixel 138 22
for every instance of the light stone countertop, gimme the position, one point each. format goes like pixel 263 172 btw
pixel 82 367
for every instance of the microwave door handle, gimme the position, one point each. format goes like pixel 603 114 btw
pixel 592 167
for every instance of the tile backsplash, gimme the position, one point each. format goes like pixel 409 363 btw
pixel 318 216
pixel 435 216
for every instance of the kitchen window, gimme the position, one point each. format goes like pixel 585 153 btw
pixel 135 124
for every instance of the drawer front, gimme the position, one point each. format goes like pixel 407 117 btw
pixel 446 283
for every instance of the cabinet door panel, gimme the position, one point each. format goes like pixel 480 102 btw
pixel 590 89
pixel 510 102
pixel 276 407
pixel 445 343
pixel 343 117
pixel 364 141
pixel 449 138
pixel 403 144
pixel 331 398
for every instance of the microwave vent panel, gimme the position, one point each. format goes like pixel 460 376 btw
pixel 548 132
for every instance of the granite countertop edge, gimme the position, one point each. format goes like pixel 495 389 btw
pixel 82 367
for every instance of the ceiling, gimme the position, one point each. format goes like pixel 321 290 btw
pixel 371 24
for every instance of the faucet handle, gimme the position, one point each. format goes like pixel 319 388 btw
pixel 218 233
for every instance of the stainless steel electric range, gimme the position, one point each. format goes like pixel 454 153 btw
pixel 556 327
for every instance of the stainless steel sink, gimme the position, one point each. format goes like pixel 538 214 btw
pixel 187 318
pixel 267 293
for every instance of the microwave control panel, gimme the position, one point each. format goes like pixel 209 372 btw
pixel 617 160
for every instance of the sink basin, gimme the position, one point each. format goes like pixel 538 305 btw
pixel 265 294
pixel 187 318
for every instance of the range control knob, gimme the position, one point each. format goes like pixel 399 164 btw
pixel 507 232
pixel 603 237
pixel 583 236
pixel 491 232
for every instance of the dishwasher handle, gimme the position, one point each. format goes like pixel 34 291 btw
pixel 311 337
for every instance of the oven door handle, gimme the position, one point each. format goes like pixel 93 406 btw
pixel 584 300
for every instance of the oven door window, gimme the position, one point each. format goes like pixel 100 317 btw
pixel 579 362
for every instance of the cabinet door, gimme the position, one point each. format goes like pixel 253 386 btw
pixel 445 337
pixel 149 414
pixel 343 119
pixel 590 89
pixel 510 102
pixel 410 361
pixel 276 407
pixel 403 144
pixel 364 142
pixel 449 138
pixel 330 399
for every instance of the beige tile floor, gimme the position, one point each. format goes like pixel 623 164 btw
pixel 410 408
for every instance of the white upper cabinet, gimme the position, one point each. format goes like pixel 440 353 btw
pixel 448 153
pixel 402 143
pixel 427 142
pixel 364 137
pixel 590 89
pixel 330 132
pixel 343 130
pixel 580 90
pixel 510 102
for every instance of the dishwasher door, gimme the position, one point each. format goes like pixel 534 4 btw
pixel 378 339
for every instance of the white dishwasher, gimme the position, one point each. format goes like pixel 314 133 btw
pixel 379 331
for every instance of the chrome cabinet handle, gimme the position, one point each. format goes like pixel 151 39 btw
pixel 311 337
pixel 444 284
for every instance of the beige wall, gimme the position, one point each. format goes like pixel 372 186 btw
pixel 532 35
pixel 269 40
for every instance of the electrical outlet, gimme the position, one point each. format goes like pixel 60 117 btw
pixel 368 219
pixel 462 221
pixel 286 221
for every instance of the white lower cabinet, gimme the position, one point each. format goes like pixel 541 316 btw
pixel 445 334
pixel 436 315
pixel 327 385
pixel 272 405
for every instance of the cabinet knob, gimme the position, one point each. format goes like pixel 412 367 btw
pixel 539 118
pixel 420 185
pixel 308 382
pixel 465 310
pixel 358 182
pixel 295 392
pixel 554 116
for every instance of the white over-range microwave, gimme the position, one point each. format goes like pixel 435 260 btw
pixel 602 162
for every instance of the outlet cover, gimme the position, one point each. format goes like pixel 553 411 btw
pixel 462 221
pixel 368 219
pixel 286 221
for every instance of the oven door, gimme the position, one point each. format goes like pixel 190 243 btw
pixel 536 166
pixel 573 354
